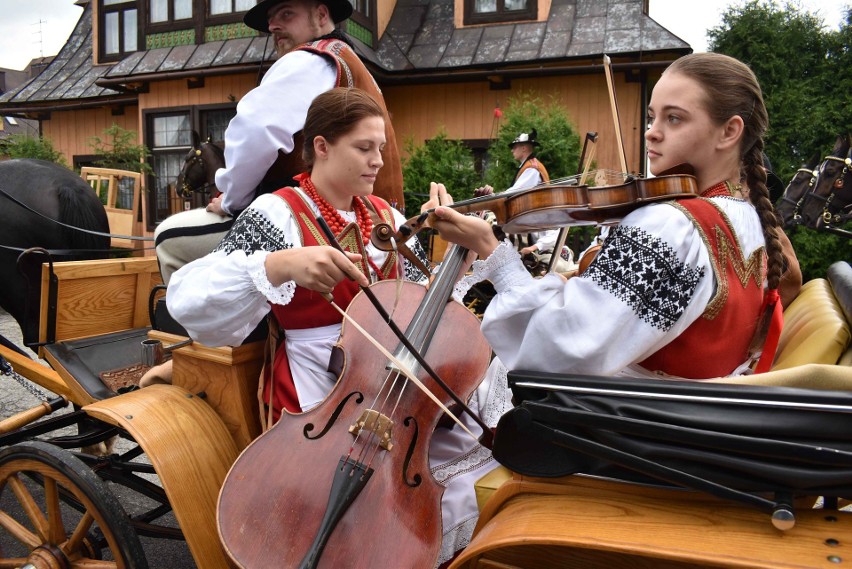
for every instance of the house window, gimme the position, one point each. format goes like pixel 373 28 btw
pixel 230 6
pixel 119 31
pixel 362 7
pixel 169 10
pixel 362 24
pixel 492 11
pixel 170 136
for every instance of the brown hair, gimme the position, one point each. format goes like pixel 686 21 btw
pixel 731 89
pixel 334 114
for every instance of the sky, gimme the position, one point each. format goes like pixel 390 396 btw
pixel 33 28
pixel 690 19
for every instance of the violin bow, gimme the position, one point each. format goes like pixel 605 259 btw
pixel 487 437
pixel 607 63
pixel 582 171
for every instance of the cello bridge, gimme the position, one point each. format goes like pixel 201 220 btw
pixel 378 424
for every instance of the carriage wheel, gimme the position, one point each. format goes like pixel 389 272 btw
pixel 43 535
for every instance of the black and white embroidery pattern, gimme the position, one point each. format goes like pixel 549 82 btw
pixel 644 272
pixel 412 273
pixel 251 232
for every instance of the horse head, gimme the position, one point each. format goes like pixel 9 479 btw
pixel 198 173
pixel 829 202
pixel 790 204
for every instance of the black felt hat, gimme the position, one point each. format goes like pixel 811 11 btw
pixel 257 18
pixel 526 137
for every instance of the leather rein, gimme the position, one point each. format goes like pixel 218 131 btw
pixel 75 228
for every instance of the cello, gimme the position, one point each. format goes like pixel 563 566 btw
pixel 347 484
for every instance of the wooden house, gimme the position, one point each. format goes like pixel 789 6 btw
pixel 9 80
pixel 165 67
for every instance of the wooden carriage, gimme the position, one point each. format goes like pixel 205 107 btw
pixel 193 430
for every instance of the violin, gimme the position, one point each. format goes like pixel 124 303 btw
pixel 566 202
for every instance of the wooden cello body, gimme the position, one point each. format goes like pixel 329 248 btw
pixel 290 500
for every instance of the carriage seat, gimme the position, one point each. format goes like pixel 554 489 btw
pixel 840 277
pixel 80 362
pixel 817 323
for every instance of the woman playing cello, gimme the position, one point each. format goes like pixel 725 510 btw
pixel 272 259
pixel 679 287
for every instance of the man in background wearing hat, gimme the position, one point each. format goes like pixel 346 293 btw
pixel 531 172
pixel 263 143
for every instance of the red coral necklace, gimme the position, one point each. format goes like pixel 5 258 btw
pixel 724 188
pixel 331 215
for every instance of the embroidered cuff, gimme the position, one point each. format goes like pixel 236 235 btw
pixel 486 270
pixel 257 271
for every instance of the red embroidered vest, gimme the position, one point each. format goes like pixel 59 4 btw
pixel 308 309
pixel 716 343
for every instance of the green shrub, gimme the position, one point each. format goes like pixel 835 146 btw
pixel 816 250
pixel 119 150
pixel 560 143
pixel 23 146
pixel 442 160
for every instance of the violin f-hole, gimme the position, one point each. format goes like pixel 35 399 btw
pixel 333 418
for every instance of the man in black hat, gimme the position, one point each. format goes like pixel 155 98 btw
pixel 263 144
pixel 531 172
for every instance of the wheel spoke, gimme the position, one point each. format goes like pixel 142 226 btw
pixel 93 564
pixel 56 528
pixel 18 531
pixel 76 540
pixel 29 505
pixel 43 517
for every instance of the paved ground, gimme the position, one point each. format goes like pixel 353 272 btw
pixel 160 553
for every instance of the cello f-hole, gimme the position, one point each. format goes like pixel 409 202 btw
pixel 333 418
pixel 415 480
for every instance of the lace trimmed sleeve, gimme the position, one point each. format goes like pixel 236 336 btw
pixel 282 294
pixel 490 269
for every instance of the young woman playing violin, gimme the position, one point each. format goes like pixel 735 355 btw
pixel 678 287
pixel 273 259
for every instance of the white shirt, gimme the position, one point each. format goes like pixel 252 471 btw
pixel 530 178
pixel 267 118
pixel 223 296
pixel 651 280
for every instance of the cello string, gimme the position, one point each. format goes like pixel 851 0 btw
pixel 392 415
pixel 399 278
pixel 374 407
pixel 371 428
pixel 404 370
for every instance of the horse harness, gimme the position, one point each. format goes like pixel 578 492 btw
pixel 195 160
pixel 839 182
pixel 797 204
